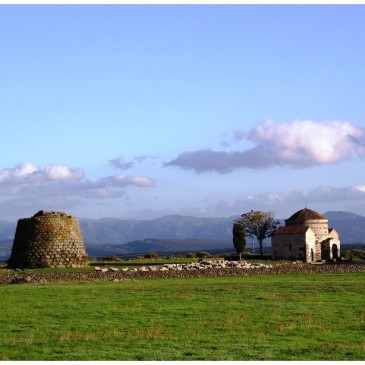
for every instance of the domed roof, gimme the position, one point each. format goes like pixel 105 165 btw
pixel 304 215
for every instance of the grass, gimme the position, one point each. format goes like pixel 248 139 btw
pixel 283 317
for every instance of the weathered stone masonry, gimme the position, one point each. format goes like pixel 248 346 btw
pixel 306 237
pixel 48 239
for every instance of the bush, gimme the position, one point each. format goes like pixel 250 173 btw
pixel 191 255
pixel 354 254
pixel 203 255
pixel 110 258
pixel 152 255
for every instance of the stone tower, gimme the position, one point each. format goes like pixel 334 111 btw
pixel 48 239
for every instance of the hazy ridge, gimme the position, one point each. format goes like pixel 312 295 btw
pixel 174 233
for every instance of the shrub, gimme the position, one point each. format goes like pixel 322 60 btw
pixel 152 255
pixel 354 254
pixel 203 255
pixel 110 258
pixel 191 255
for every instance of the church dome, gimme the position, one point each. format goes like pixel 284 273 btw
pixel 305 215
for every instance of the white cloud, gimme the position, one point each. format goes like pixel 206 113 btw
pixel 307 142
pixel 60 180
pixel 23 170
pixel 26 188
pixel 359 188
pixel 296 144
pixel 283 204
pixel 122 181
pixel 140 181
pixel 18 173
pixel 62 172
pixel 27 172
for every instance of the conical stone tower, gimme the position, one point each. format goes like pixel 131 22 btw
pixel 48 239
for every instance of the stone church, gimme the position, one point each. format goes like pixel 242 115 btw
pixel 306 237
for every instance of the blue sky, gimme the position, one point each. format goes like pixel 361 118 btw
pixel 139 111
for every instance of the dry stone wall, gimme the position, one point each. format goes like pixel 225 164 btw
pixel 110 274
pixel 48 239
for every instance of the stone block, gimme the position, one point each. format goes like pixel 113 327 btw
pixel 48 238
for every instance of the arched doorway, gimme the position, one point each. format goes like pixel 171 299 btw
pixel 312 255
pixel 334 251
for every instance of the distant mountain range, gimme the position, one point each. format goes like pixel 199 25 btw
pixel 118 231
pixel 174 233
pixel 160 246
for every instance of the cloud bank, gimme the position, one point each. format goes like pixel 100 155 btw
pixel 297 144
pixel 27 173
pixel 347 197
pixel 26 180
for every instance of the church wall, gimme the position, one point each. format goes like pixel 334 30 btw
pixel 288 246
pixel 311 246
pixel 328 249
pixel 318 251
pixel 295 246
pixel 319 227
pixel 333 234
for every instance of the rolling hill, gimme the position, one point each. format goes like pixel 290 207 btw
pixel 118 231
pixel 160 246
pixel 351 227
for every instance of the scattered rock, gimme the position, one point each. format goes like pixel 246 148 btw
pixel 27 279
pixel 200 269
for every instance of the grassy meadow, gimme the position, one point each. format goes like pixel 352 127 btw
pixel 279 317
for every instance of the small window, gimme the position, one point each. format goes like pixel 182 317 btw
pixel 290 246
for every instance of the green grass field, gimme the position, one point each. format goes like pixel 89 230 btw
pixel 281 317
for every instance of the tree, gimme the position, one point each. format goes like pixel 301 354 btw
pixel 239 238
pixel 259 224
